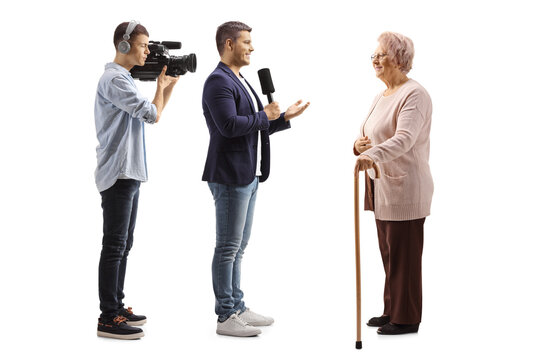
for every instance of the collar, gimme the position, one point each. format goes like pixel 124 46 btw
pixel 227 69
pixel 235 78
pixel 117 67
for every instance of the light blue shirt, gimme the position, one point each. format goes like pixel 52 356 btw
pixel 120 112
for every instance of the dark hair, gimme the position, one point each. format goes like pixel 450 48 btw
pixel 121 30
pixel 229 30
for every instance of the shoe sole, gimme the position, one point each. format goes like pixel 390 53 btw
pixel 121 336
pixel 260 323
pixel 397 333
pixel 243 334
pixel 136 323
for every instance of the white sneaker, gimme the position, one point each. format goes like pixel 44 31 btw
pixel 254 319
pixel 234 326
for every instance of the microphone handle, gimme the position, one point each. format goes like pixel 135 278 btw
pixel 270 98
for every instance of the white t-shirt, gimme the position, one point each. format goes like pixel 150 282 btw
pixel 254 99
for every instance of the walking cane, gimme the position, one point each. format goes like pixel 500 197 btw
pixel 357 255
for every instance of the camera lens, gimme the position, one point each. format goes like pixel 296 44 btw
pixel 191 62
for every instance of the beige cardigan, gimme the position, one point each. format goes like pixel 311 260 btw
pixel 400 142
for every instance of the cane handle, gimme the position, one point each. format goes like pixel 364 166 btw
pixel 375 168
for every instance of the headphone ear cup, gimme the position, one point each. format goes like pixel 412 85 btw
pixel 124 47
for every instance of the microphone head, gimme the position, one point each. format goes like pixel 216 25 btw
pixel 266 81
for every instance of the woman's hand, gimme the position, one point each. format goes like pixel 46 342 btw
pixel 363 162
pixel 362 144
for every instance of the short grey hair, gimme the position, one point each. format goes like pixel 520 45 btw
pixel 400 49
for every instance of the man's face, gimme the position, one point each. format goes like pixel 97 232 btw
pixel 139 50
pixel 242 49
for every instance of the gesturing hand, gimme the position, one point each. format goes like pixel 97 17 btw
pixel 295 109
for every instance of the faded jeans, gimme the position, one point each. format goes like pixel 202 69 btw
pixel 234 216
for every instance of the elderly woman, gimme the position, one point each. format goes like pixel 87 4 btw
pixel 395 136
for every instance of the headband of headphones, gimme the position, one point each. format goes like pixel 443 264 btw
pixel 124 46
pixel 132 25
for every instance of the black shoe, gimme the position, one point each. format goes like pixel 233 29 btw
pixel 379 321
pixel 397 329
pixel 117 328
pixel 132 319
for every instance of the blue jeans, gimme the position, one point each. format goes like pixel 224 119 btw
pixel 234 215
pixel 119 204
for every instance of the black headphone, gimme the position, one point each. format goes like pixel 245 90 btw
pixel 124 46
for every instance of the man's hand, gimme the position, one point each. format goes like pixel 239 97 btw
pixel 174 80
pixel 272 111
pixel 166 81
pixel 295 110
pixel 165 84
pixel 362 144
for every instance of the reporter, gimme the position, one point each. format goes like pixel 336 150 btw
pixel 238 159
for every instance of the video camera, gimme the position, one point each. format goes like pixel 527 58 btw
pixel 159 57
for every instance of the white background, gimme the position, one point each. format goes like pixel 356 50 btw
pixel 477 59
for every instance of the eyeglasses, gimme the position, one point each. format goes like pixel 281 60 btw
pixel 378 56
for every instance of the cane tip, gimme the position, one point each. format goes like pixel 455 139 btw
pixel 358 344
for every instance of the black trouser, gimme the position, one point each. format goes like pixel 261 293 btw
pixel 119 204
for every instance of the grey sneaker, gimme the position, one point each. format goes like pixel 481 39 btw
pixel 234 326
pixel 254 319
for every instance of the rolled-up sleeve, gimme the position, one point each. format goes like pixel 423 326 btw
pixel 126 97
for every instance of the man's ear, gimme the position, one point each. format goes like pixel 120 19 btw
pixel 229 44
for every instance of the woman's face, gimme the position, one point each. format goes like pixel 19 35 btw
pixel 382 64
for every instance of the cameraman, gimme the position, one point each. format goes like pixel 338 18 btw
pixel 120 113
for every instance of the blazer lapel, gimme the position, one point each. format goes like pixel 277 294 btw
pixel 239 83
pixel 259 103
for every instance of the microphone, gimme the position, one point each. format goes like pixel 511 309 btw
pixel 266 83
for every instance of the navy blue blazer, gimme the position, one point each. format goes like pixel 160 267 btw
pixel 234 125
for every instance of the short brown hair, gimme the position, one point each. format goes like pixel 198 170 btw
pixel 121 30
pixel 229 30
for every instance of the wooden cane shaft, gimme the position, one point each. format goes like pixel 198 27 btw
pixel 357 256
